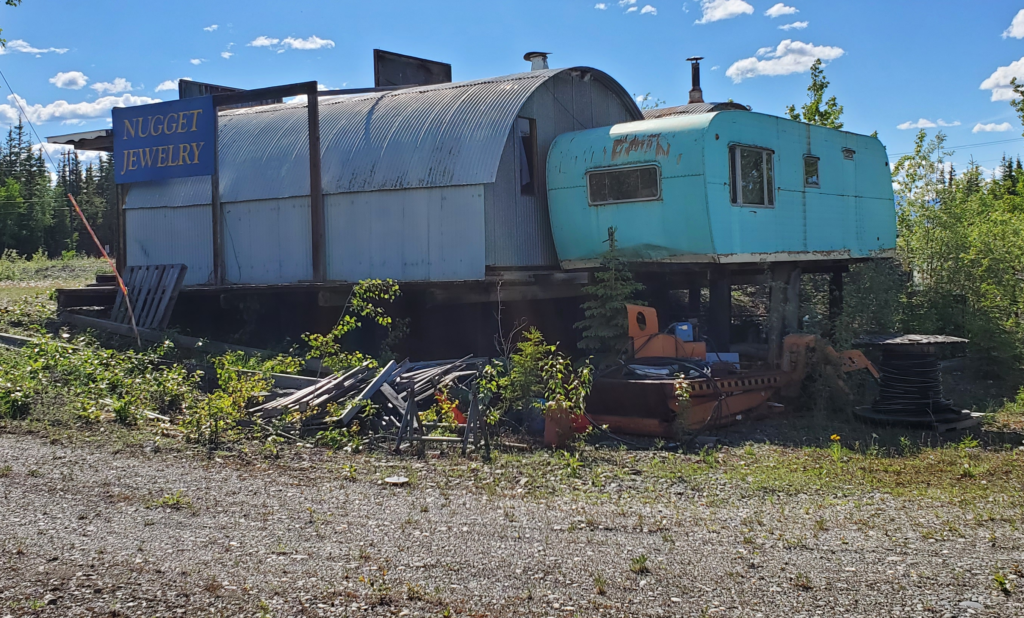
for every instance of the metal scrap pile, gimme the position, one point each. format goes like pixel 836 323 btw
pixel 397 392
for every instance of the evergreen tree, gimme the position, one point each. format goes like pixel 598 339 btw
pixel 605 328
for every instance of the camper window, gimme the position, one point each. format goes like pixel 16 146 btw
pixel 811 172
pixel 628 184
pixel 752 176
pixel 526 131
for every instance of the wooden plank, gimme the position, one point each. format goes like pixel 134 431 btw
pixel 119 305
pixel 407 416
pixel 182 341
pixel 151 296
pixel 158 303
pixel 472 418
pixel 370 389
pixel 140 297
pixel 167 305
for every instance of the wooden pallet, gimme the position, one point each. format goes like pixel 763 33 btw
pixel 152 290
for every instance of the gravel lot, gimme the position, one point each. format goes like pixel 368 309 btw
pixel 80 535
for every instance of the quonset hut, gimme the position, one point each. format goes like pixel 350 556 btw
pixel 441 183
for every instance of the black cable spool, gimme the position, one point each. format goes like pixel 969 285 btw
pixel 910 389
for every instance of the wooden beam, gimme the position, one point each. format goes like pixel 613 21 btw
pixel 316 192
pixel 182 341
pixel 121 259
pixel 262 94
pixel 720 310
pixel 216 210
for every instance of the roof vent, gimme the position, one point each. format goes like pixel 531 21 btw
pixel 538 60
pixel 696 96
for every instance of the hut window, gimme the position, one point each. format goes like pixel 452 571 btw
pixel 752 176
pixel 624 184
pixel 811 172
pixel 526 131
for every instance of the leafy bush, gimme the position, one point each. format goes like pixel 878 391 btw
pixel 364 302
pixel 535 371
pixel 217 417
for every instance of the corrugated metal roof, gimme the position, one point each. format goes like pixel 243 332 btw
pixel 431 136
pixel 694 108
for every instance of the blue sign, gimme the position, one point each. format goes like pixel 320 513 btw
pixel 164 140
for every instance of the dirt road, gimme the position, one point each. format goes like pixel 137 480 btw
pixel 89 531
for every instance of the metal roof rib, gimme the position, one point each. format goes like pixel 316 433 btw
pixel 430 136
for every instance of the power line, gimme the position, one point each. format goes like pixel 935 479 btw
pixel 17 100
pixel 944 147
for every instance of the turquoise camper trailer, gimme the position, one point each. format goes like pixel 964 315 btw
pixel 730 187
pixel 710 195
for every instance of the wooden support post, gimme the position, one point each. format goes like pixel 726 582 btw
pixel 835 299
pixel 792 313
pixel 719 310
pixel 217 213
pixel 121 259
pixel 776 310
pixel 693 301
pixel 316 194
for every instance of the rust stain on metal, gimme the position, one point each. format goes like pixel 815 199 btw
pixel 626 145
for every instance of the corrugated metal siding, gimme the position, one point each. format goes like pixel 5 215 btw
pixel 173 192
pixel 442 135
pixel 432 234
pixel 172 236
pixel 519 227
pixel 268 241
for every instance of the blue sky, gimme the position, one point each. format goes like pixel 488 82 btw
pixel 891 63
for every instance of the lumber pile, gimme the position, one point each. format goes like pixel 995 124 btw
pixel 397 392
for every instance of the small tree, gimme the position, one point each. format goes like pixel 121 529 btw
pixel 818 111
pixel 605 328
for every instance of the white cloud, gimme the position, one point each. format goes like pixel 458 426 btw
pixel 601 6
pixel 1016 29
pixel 626 2
pixel 211 28
pixel 171 84
pixel 781 9
pixel 21 46
pixel 62 110
pixel 992 127
pixel 197 61
pixel 632 9
pixel 797 25
pixel 119 84
pixel 72 80
pixel 922 123
pixel 313 42
pixel 789 57
pixel 226 54
pixel 717 10
pixel 263 41
pixel 648 9
pixel 999 81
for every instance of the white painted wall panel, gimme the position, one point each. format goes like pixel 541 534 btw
pixel 268 241
pixel 172 236
pixel 430 234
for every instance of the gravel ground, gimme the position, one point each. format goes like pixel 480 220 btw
pixel 80 535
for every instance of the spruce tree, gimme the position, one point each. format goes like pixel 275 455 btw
pixel 605 328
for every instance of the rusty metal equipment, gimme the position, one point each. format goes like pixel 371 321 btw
pixel 641 397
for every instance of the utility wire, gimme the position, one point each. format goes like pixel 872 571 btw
pixel 965 146
pixel 29 120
